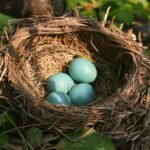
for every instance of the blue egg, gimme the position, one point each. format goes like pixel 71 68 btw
pixel 59 98
pixel 82 70
pixel 61 82
pixel 82 94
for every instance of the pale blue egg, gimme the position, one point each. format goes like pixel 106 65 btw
pixel 82 94
pixel 61 82
pixel 82 70
pixel 59 98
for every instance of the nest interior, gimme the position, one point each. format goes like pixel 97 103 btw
pixel 40 47
pixel 41 57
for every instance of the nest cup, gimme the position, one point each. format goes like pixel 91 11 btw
pixel 42 46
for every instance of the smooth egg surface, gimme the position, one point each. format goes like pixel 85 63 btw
pixel 61 82
pixel 82 94
pixel 82 70
pixel 59 98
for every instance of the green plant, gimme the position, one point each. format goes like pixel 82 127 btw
pixel 148 52
pixel 8 120
pixel 4 140
pixel 87 139
pixel 123 10
pixel 4 19
pixel 34 136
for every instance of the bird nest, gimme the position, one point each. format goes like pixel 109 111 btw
pixel 39 47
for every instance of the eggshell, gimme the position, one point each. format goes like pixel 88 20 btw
pixel 82 70
pixel 59 98
pixel 82 94
pixel 61 82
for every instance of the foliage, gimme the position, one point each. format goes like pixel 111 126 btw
pixel 3 140
pixel 87 139
pixel 4 21
pixel 123 10
pixel 34 136
pixel 7 120
pixel 148 52
pixel 106 143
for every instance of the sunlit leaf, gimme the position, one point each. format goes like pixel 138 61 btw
pixel 4 19
pixel 118 1
pixel 4 22
pixel 87 13
pixel 87 139
pixel 90 5
pixel 145 3
pixel 82 2
pixel 71 4
pixel 106 143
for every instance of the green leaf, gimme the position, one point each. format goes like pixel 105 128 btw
pixel 5 123
pixel 34 136
pixel 117 24
pixel 87 13
pixel 3 140
pixel 71 4
pixel 87 139
pixel 145 3
pixel 124 16
pixel 139 10
pixel 113 4
pixel 118 1
pixel 4 20
pixel 106 143
pixel 3 118
pixel 82 2
pixel 148 52
pixel 7 119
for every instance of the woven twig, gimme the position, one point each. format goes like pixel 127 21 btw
pixel 42 46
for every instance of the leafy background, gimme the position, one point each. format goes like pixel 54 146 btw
pixel 124 10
